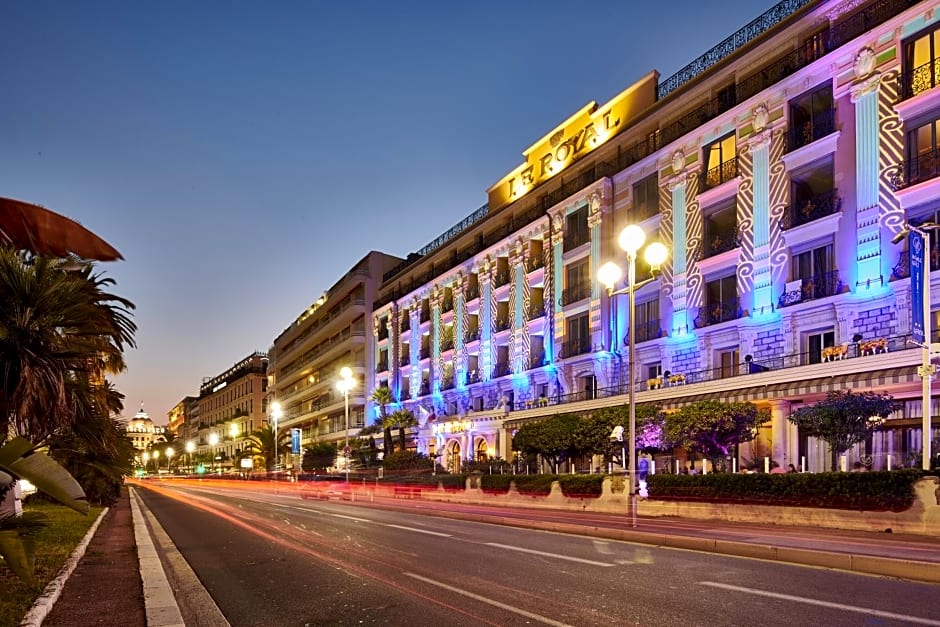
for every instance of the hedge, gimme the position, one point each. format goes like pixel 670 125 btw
pixel 581 485
pixel 534 485
pixel 430 481
pixel 496 484
pixel 872 491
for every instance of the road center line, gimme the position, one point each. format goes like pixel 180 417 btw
pixel 493 602
pixel 351 518
pixel 430 533
pixel 546 554
pixel 829 604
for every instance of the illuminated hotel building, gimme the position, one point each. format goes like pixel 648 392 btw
pixel 307 356
pixel 231 406
pixel 143 433
pixel 776 168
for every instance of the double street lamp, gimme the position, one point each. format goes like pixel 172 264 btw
pixel 169 456
pixel 213 440
pixel 276 413
pixel 631 240
pixel 190 447
pixel 345 384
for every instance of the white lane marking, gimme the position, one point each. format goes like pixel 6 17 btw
pixel 546 554
pixel 430 533
pixel 829 604
pixel 494 603
pixel 351 518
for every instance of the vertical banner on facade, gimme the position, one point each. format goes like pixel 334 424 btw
pixel 295 441
pixel 916 248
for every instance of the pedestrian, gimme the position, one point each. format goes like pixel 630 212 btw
pixel 791 468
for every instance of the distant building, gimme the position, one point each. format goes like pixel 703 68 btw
pixel 230 407
pixel 143 433
pixel 306 358
pixel 180 417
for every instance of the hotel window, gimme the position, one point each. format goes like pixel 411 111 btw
pixel 816 342
pixel 576 229
pixel 577 283
pixel 813 268
pixel 721 302
pixel 578 340
pixel 921 63
pixel 721 230
pixel 922 157
pixel 727 363
pixel 647 321
pixel 645 198
pixel 721 162
pixel 654 371
pixel 812 117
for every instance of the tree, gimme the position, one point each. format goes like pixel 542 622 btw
pixel 403 419
pixel 593 433
pixel 844 418
pixel 261 444
pixel 552 438
pixel 713 428
pixel 318 456
pixel 382 396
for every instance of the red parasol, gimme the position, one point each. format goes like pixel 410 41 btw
pixel 38 230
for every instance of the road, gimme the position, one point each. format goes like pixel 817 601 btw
pixel 274 559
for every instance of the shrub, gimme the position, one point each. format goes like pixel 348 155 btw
pixel 496 484
pixel 534 485
pixel 873 491
pixel 492 466
pixel 581 485
pixel 406 460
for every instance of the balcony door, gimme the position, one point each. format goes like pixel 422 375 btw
pixel 921 63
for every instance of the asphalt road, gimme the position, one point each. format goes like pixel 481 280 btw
pixel 269 559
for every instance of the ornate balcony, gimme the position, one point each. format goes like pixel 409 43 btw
pixel 576 292
pixel 425 352
pixel 536 311
pixel 404 361
pixel 534 263
pixel 863 21
pixel 425 314
pixel 648 330
pixel 383 332
pixel 406 324
pixel 810 288
pixel 720 242
pixel 502 277
pixel 720 174
pixel 809 131
pixel 473 334
pixel 447 344
pixel 503 324
pixel 572 348
pixel 805 210
pixel 715 313
pixel 923 167
pixel 472 292
pixel 501 369
pixel 903 268
pixel 382 366
pixel 919 79
pixel 447 304
pixel 576 238
pixel 537 360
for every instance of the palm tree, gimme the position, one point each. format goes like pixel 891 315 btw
pixel 261 443
pixel 382 396
pixel 403 419
pixel 61 333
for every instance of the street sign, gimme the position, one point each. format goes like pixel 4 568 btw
pixel 917 245
pixel 295 441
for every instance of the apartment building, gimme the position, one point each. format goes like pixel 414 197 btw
pixel 777 168
pixel 180 418
pixel 231 406
pixel 306 358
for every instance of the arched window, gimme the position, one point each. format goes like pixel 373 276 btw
pixel 482 451
pixel 453 460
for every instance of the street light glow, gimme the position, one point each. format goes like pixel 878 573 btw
pixel 609 274
pixel 656 254
pixel 631 239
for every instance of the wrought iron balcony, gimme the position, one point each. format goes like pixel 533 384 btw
pixel 576 292
pixel 572 348
pixel 536 311
pixel 810 288
pixel 805 210
pixel 447 382
pixel 646 330
pixel 473 334
pixel 720 242
pixel 383 332
pixel 537 360
pixel 425 352
pixel 406 324
pixel 800 135
pixel 447 344
pixel 923 167
pixel 447 304
pixel 533 263
pixel 502 324
pixel 903 268
pixel 425 314
pixel 919 79
pixel 472 291
pixel 404 361
pixel 382 366
pixel 576 238
pixel 720 174
pixel 863 21
pixel 473 377
pixel 501 369
pixel 777 71
pixel 502 277
pixel 714 313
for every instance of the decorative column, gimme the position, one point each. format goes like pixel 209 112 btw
pixel 677 186
pixel 437 361
pixel 460 326
pixel 548 294
pixel 868 239
pixel 762 278
pixel 487 317
pixel 394 342
pixel 602 361
pixel 779 434
pixel 415 348
pixel 558 269
pixel 518 298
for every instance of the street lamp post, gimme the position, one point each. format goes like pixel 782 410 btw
pixel 276 413
pixel 345 384
pixel 169 456
pixel 213 440
pixel 156 460
pixel 146 461
pixel 190 447
pixel 631 240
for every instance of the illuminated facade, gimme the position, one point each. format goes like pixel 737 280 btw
pixel 306 357
pixel 776 168
pixel 231 406
pixel 143 433
pixel 180 418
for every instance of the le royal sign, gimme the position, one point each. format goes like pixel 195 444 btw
pixel 587 129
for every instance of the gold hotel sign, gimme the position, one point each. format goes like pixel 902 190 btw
pixel 585 130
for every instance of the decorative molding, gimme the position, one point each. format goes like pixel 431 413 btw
pixel 811 152
pixel 865 86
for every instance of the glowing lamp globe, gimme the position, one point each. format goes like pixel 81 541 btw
pixel 631 239
pixel 609 274
pixel 655 254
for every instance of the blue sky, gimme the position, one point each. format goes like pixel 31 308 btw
pixel 244 155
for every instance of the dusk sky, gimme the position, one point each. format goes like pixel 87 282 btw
pixel 243 156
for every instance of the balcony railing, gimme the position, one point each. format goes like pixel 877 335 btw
pixel 806 210
pixel 383 332
pixel 447 344
pixel 534 262
pixel 502 277
pixel 382 366
pixel 800 135
pixel 576 238
pixel 574 293
pixel 536 311
pixel 425 353
pixel 720 242
pixel 863 21
pixel 473 334
pixel 472 291
pixel 447 304
pixel 919 79
pixel 501 369
pixel 502 324
pixel 777 71
pixel 425 314
pixel 406 324
pixel 810 288
pixel 537 360
pixel 647 330
pixel 923 167
pixel 715 313
pixel 572 348
pixel 404 361
pixel 903 268
pixel 447 382
pixel 720 174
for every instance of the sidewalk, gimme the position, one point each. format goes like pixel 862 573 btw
pixel 107 587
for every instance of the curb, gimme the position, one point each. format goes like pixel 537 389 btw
pixel 159 600
pixel 50 594
pixel 863 564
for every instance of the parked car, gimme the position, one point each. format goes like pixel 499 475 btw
pixel 326 487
